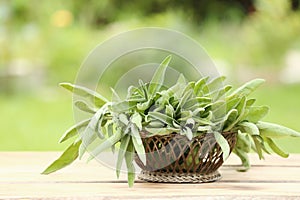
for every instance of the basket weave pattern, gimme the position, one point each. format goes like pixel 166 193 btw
pixel 173 158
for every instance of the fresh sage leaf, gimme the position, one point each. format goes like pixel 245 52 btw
pixel 247 88
pixel 138 144
pixel 84 107
pixel 244 159
pixel 106 144
pixel 249 127
pixel 73 131
pixel 123 119
pixel 137 120
pixel 199 85
pixel 223 144
pixel 158 77
pixel 88 135
pixel 275 148
pixel 129 156
pixel 95 97
pixel 256 113
pixel 69 155
pixel 121 154
pixel 162 117
pixel 214 85
pixel 258 146
pixel 161 131
pixel 275 131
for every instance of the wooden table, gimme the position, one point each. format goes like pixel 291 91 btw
pixel 274 178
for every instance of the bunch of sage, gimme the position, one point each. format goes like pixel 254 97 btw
pixel 186 108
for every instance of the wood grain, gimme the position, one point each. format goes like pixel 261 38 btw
pixel 274 178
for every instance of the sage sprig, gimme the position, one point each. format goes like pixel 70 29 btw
pixel 206 106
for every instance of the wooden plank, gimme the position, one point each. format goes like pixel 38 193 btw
pixel 270 160
pixel 96 173
pixel 11 158
pixel 20 178
pixel 149 190
pixel 13 167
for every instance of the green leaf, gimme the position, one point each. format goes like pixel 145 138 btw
pixel 249 127
pixel 106 144
pixel 223 144
pixel 95 97
pixel 136 99
pixel 135 133
pixel 144 89
pixel 275 131
pixel 84 107
pixel 155 124
pixel 161 131
pixel 170 111
pixel 69 155
pixel 87 138
pixel 101 128
pixel 241 111
pixel 189 87
pixel 250 102
pixel 231 119
pixel 183 100
pixel 233 103
pixel 121 154
pixel 145 105
pixel 241 107
pixel 197 111
pixel 88 135
pixel 123 119
pixel 247 88
pixel 219 110
pixel 184 115
pixel 244 159
pixel 199 85
pixel 137 120
pixel 256 113
pixel 73 131
pixel 177 90
pixel 243 141
pixel 122 106
pixel 187 132
pixel 204 120
pixel 198 101
pixel 138 144
pixel 214 85
pixel 129 157
pixel 158 77
pixel 258 146
pixel 220 93
pixel 110 132
pixel 162 117
pixel 275 148
pixel 203 128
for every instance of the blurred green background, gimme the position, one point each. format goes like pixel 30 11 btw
pixel 43 43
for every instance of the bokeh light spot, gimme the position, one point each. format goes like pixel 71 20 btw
pixel 62 18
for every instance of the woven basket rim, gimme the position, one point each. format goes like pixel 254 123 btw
pixel 163 177
pixel 143 134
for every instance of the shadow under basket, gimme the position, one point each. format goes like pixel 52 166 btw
pixel 174 159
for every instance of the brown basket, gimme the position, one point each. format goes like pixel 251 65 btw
pixel 173 158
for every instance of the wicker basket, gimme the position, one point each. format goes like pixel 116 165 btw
pixel 174 159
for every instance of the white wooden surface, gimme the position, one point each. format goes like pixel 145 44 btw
pixel 273 178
